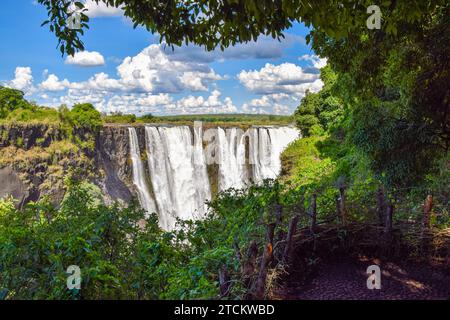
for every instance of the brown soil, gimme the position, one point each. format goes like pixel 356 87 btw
pixel 347 280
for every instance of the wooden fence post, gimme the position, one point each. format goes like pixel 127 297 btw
pixel 248 269
pixel 270 232
pixel 389 214
pixel 313 212
pixel 260 287
pixel 338 209
pixel 427 208
pixel 224 282
pixel 279 221
pixel 380 205
pixel 342 208
pixel 290 236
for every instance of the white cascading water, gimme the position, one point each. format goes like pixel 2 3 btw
pixel 139 174
pixel 262 166
pixel 180 183
pixel 280 138
pixel 232 169
pixel 203 189
pixel 160 176
pixel 178 167
pixel 266 148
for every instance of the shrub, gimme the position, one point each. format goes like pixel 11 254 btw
pixel 85 116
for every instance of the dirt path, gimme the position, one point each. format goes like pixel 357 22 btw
pixel 347 280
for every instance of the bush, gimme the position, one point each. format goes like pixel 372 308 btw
pixel 85 116
pixel 10 100
pixel 120 118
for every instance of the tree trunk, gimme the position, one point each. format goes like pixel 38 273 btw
pixel 224 282
pixel 279 221
pixel 248 269
pixel 338 209
pixel 380 205
pixel 289 239
pixel 427 208
pixel 260 287
pixel 389 214
pixel 342 207
pixel 313 212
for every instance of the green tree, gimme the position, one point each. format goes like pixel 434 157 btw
pixel 10 100
pixel 397 94
pixel 305 114
pixel 318 112
pixel 85 116
pixel 212 23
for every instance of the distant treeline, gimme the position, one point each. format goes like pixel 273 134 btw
pixel 216 118
pixel 15 108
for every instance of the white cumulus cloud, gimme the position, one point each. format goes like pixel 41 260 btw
pixel 317 62
pixel 52 83
pixel 137 103
pixel 201 105
pixel 283 78
pixel 23 80
pixel 150 71
pixel 153 70
pixel 101 10
pixel 264 48
pixel 86 59
pixel 277 103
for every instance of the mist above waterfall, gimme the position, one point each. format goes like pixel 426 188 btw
pixel 178 165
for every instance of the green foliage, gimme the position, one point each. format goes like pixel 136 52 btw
pixel 319 112
pixel 37 114
pixel 85 116
pixel 303 163
pixel 212 23
pixel 119 118
pixel 147 118
pixel 380 119
pixel 222 119
pixel 40 242
pixel 10 100
pixel 118 257
pixel 124 255
pixel 396 91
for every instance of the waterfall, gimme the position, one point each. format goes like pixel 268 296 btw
pixel 160 174
pixel 232 170
pixel 203 189
pixel 280 138
pixel 266 148
pixel 178 173
pixel 178 167
pixel 139 174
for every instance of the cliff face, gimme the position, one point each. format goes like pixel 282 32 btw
pixel 112 159
pixel 27 136
pixel 36 158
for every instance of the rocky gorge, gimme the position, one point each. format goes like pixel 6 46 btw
pixel 169 173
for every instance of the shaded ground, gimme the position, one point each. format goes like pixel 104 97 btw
pixel 347 280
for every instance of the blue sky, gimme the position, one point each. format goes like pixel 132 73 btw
pixel 127 70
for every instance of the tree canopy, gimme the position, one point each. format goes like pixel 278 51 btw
pixel 213 23
pixel 319 111
pixel 10 100
pixel 85 115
